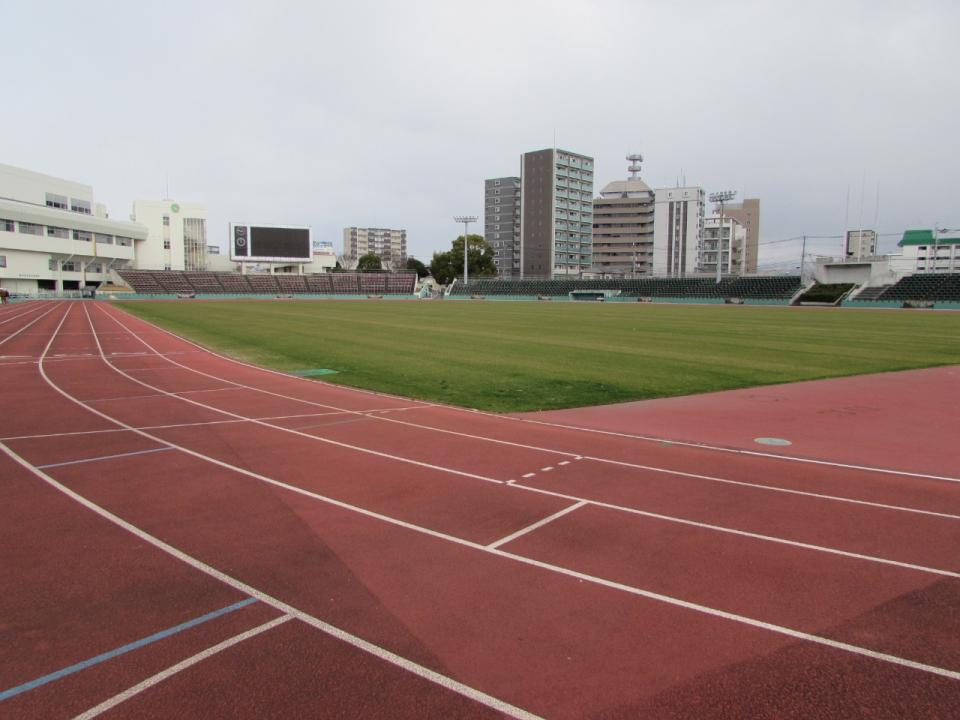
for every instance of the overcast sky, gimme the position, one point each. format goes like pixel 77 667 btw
pixel 391 114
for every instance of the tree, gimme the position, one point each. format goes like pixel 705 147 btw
pixel 419 267
pixel 369 262
pixel 446 266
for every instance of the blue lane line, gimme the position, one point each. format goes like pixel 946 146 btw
pixel 6 694
pixel 105 457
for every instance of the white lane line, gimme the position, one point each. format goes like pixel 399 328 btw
pixel 736 451
pixel 104 457
pixel 315 438
pixel 530 528
pixel 357 642
pixel 776 488
pixel 37 319
pixel 546 469
pixel 529 475
pixel 704 609
pixel 454 408
pixel 718 528
pixel 563 462
pixel 755 486
pixel 742 533
pixel 180 666
pixel 11 318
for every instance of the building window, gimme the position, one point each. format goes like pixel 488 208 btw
pixel 104 239
pixel 166 244
pixel 30 228
pixel 57 201
pixel 82 235
pixel 166 221
pixel 58 232
pixel 94 268
pixel 7 225
pixel 124 241
pixel 166 267
pixel 3 260
pixel 68 266
pixel 80 206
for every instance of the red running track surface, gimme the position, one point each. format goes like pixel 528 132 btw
pixel 403 559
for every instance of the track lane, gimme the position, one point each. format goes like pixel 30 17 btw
pixel 627 701
pixel 877 532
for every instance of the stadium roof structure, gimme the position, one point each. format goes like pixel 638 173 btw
pixel 925 237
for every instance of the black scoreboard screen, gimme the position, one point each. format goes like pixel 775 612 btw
pixel 270 243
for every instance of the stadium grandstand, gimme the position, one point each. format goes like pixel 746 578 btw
pixel 769 288
pixel 174 282
pixel 931 287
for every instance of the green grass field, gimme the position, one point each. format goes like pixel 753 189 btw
pixel 510 356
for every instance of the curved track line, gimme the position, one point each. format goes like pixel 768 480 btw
pixel 644 438
pixel 38 318
pixel 651 468
pixel 355 641
pixel 649 594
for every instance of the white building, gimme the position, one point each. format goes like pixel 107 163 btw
pixel 930 251
pixel 176 235
pixel 678 220
pixel 54 237
pixel 732 241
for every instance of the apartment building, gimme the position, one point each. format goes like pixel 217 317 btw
pixel 501 223
pixel 389 244
pixel 556 213
pixel 729 239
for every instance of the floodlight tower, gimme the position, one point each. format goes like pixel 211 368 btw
pixel 466 220
pixel 722 197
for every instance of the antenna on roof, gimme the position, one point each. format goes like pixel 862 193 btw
pixel 634 167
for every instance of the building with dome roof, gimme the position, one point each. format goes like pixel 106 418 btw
pixel 623 226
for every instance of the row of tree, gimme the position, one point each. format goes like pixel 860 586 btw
pixel 445 266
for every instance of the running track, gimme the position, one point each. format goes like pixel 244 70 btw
pixel 185 535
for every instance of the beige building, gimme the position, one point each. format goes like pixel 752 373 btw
pixel 747 213
pixel 623 226
pixel 388 244
pixel 176 235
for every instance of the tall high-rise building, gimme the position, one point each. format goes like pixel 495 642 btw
pixel 747 213
pixel 501 223
pixel 387 244
pixel 677 230
pixel 556 211
pixel 623 225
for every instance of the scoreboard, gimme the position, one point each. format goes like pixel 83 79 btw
pixel 270 243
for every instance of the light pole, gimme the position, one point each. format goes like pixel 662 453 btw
pixel 466 220
pixel 722 197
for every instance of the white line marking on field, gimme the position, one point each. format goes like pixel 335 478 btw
pixel 104 457
pixel 36 319
pixel 743 533
pixel 180 666
pixel 529 475
pixel 704 609
pixel 357 642
pixel 534 526
pixel 546 469
pixel 563 462
pixel 292 431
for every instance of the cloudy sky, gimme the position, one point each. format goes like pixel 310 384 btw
pixel 392 113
